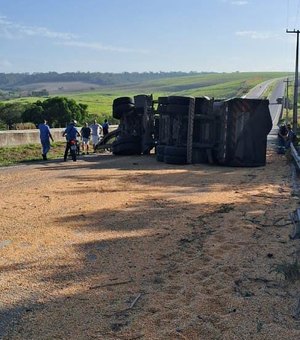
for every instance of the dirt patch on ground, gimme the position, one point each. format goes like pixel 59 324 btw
pixel 130 248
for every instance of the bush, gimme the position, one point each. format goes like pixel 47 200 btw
pixel 25 126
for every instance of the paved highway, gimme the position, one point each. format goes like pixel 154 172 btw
pixel 274 107
pixel 259 89
pixel 277 92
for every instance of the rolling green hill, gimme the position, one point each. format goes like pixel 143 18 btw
pixel 212 85
pixel 217 85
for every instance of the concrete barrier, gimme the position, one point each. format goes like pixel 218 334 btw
pixel 22 137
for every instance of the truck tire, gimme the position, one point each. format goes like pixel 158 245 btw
pixel 178 109
pixel 126 148
pixel 177 151
pixel 174 159
pixel 179 100
pixel 160 152
pixel 130 145
pixel 123 100
pixel 121 109
pixel 163 100
pixel 162 105
pixel 160 157
pixel 116 115
pixel 160 149
pixel 128 139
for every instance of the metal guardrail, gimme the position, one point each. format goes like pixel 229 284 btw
pixel 295 155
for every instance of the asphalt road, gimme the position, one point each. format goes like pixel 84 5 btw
pixel 277 92
pixel 274 107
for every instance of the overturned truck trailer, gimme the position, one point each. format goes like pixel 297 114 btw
pixel 136 128
pixel 244 126
pixel 194 130
pixel 202 130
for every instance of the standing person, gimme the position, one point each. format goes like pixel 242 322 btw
pixel 85 135
pixel 282 133
pixel 70 133
pixel 105 127
pixel 96 130
pixel 290 137
pixel 45 136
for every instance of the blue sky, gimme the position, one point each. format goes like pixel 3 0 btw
pixel 147 35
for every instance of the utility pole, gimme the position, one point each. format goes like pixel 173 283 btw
pixel 295 106
pixel 286 102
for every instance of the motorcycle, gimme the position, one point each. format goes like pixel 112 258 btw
pixel 73 149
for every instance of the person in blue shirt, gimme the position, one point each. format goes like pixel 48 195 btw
pixel 105 127
pixel 71 133
pixel 45 136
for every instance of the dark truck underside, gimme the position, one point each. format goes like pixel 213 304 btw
pixel 192 129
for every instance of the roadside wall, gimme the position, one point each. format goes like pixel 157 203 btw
pixel 21 137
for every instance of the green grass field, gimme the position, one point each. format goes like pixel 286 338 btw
pixel 212 85
pixel 29 153
pixel 217 85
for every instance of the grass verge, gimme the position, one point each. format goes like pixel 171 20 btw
pixel 28 153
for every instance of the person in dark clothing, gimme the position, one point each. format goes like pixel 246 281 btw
pixel 71 133
pixel 85 135
pixel 45 136
pixel 290 137
pixel 282 135
pixel 105 127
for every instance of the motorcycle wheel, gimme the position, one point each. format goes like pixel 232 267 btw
pixel 73 154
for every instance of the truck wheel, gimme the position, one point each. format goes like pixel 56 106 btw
pixel 179 100
pixel 121 109
pixel 174 159
pixel 129 145
pixel 160 149
pixel 163 100
pixel 160 157
pixel 178 109
pixel 123 100
pixel 177 151
pixel 160 152
pixel 126 149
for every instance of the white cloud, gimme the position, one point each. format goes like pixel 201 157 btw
pixel 44 32
pixel 239 2
pixel 257 35
pixel 100 47
pixel 11 30
pixel 236 2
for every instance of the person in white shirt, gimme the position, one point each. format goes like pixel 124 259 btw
pixel 96 131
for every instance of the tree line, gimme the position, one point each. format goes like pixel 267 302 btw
pixel 9 81
pixel 58 111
